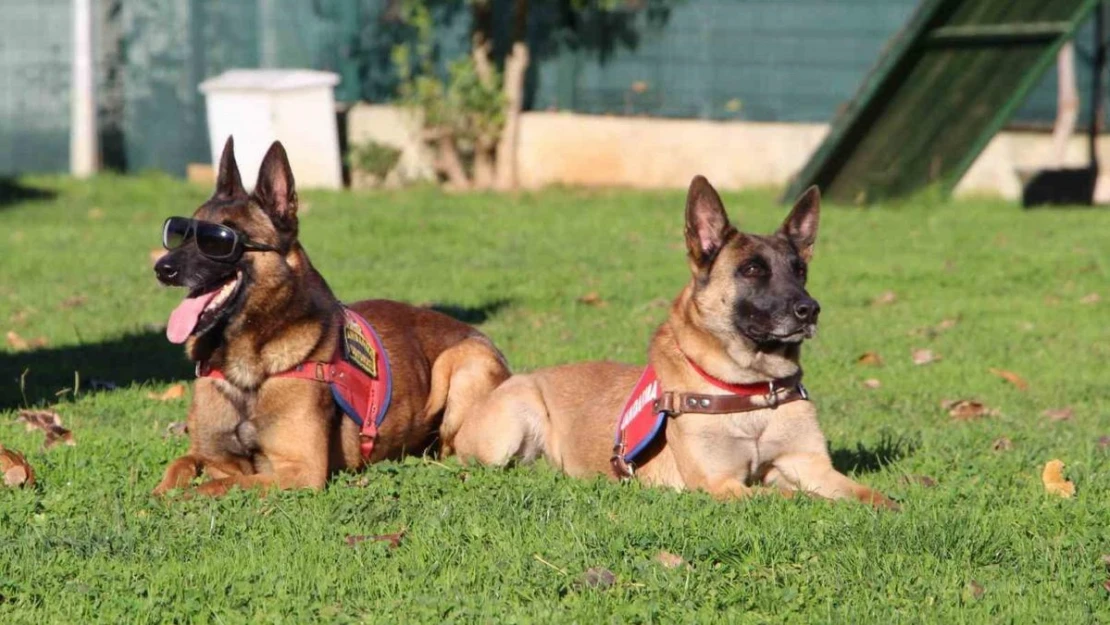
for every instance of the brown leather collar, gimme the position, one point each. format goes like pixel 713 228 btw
pixel 781 391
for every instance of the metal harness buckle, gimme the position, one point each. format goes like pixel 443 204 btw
pixel 772 395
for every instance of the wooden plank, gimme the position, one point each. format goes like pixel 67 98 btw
pixel 951 79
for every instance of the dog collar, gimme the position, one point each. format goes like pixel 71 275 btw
pixel 746 390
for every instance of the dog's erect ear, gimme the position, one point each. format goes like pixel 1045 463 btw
pixel 801 224
pixel 229 184
pixel 274 190
pixel 706 222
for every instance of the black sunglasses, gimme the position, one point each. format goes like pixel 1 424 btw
pixel 215 241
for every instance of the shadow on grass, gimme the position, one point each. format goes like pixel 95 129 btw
pixel 142 357
pixel 474 315
pixel 14 192
pixel 865 459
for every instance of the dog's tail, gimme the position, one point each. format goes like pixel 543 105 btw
pixel 462 377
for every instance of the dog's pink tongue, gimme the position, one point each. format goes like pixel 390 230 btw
pixel 184 318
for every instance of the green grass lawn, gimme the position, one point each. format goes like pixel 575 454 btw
pixel 985 543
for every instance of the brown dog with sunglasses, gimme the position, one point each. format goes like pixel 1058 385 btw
pixel 720 406
pixel 293 385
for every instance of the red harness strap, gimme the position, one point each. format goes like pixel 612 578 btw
pixel 359 376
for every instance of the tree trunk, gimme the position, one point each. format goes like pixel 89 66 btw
pixel 449 163
pixel 516 68
pixel 1067 103
pixel 484 146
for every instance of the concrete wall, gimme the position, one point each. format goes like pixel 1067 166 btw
pixel 589 150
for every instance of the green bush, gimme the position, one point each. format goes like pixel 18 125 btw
pixel 372 157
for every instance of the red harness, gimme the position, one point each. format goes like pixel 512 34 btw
pixel 359 376
pixel 643 415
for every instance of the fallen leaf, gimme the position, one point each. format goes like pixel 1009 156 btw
pixel 669 560
pixel 872 383
pixel 50 423
pixel 20 344
pixel 17 342
pixel 177 391
pixel 15 469
pixel 975 589
pixel 394 540
pixel 968 409
pixel 923 480
pixel 1103 442
pixel 924 356
pixel 597 577
pixel 931 331
pixel 869 358
pixel 1002 444
pixel 1090 298
pixel 74 302
pixel 591 299
pixel 1059 414
pixel 1012 378
pixel 177 428
pixel 887 297
pixel 1105 558
pixel 1054 482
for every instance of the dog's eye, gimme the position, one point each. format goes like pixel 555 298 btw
pixel 753 270
pixel 800 270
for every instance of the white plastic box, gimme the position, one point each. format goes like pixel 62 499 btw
pixel 259 106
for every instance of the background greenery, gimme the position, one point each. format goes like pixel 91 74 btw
pixel 552 277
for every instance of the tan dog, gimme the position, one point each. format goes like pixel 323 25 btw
pixel 737 325
pixel 257 309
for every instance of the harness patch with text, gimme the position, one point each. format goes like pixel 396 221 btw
pixel 357 346
pixel 357 387
pixel 640 423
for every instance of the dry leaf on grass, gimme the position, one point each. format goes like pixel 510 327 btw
pixel 75 301
pixel 931 331
pixel 591 299
pixel 20 344
pixel 598 577
pixel 177 428
pixel 15 469
pixel 1090 298
pixel 1105 559
pixel 394 540
pixel 1012 378
pixel 669 560
pixel 1059 414
pixel 975 589
pixel 967 409
pixel 924 356
pixel 1053 478
pixel 886 297
pixel 1002 444
pixel 869 358
pixel 177 391
pixel 1103 442
pixel 50 423
pixel 872 383
pixel 923 480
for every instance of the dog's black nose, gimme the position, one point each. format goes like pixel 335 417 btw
pixel 165 270
pixel 806 309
